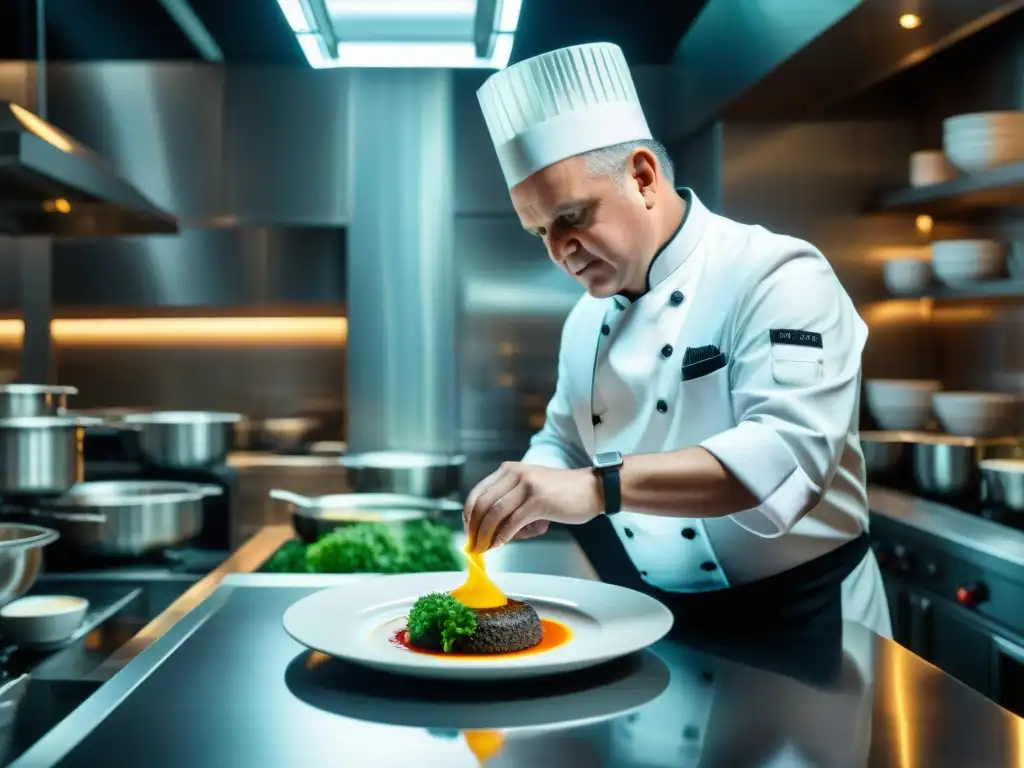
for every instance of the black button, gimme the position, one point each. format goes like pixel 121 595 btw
pixel 666 351
pixel 643 573
pixel 689 533
pixel 662 406
pixel 595 419
pixel 605 330
pixel 707 677
pixel 691 732
pixel 628 532
pixel 676 298
pixel 707 565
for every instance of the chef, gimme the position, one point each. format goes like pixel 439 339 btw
pixel 708 380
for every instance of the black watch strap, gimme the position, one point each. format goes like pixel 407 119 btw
pixel 607 465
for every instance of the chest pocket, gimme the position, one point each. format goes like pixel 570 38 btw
pixel 707 407
pixel 797 366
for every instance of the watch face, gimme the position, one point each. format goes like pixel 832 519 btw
pixel 606 460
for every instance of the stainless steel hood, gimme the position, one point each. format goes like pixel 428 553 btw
pixel 52 185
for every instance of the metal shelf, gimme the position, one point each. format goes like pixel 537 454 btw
pixel 985 191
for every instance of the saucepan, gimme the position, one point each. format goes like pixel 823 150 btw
pixel 312 517
pixel 41 455
pixel 885 452
pixel 182 439
pixel 127 517
pixel 34 400
pixel 947 466
pixel 429 475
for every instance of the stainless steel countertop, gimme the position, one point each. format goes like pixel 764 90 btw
pixel 965 530
pixel 224 685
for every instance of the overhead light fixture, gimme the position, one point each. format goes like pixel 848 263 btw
pixel 910 21
pixel 409 34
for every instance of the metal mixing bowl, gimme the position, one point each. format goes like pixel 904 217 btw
pixel 21 556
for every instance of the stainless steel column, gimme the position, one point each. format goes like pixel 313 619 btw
pixel 402 296
pixel 37 364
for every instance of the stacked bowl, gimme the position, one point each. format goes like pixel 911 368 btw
pixel 960 262
pixel 981 140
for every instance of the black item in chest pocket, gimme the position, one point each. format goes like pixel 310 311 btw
pixel 701 361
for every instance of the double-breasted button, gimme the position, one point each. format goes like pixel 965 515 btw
pixel 707 565
pixel 666 351
pixel 605 329
pixel 691 733
pixel 676 298
pixel 595 419
pixel 628 532
pixel 689 533
pixel 662 406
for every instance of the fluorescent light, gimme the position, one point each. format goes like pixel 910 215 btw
pixel 295 15
pixel 313 48
pixel 421 55
pixel 508 16
pixel 417 8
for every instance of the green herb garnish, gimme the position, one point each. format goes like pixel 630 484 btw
pixel 439 619
pixel 363 548
pixel 290 558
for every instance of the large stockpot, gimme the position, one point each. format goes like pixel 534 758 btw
pixel 182 439
pixel 34 400
pixel 128 517
pixel 313 517
pixel 884 452
pixel 41 455
pixel 1002 483
pixel 946 465
pixel 21 555
pixel 426 475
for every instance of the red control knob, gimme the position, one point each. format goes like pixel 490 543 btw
pixel 971 595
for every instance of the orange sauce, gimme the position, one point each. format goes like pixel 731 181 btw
pixel 554 634
pixel 484 744
pixel 478 591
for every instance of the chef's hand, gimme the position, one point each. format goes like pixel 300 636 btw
pixel 519 500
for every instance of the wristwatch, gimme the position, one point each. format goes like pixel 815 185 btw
pixel 607 465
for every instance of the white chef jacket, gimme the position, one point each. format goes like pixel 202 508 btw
pixel 782 415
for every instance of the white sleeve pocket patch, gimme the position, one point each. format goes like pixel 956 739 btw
pixel 797 366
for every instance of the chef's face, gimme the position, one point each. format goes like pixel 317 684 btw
pixel 596 227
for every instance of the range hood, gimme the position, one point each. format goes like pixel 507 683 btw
pixel 52 185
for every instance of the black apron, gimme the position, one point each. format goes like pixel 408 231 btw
pixel 804 599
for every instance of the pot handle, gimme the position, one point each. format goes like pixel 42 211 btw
pixel 68 517
pixel 292 498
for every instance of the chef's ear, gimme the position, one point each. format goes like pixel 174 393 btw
pixel 645 173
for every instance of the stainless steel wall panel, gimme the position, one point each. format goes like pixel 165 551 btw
pixel 161 125
pixel 402 305
pixel 287 145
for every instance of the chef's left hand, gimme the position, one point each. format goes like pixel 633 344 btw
pixel 519 500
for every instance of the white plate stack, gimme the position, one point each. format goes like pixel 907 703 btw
pixel 982 140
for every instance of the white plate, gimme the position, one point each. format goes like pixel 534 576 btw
pixel 357 622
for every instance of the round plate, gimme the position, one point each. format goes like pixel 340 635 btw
pixel 357 623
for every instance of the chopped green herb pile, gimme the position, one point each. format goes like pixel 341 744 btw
pixel 439 617
pixel 415 547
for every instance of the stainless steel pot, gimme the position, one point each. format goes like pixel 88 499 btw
pixel 33 400
pixel 41 455
pixel 945 465
pixel 313 517
pixel 884 452
pixel 183 439
pixel 1002 483
pixel 427 475
pixel 21 555
pixel 128 517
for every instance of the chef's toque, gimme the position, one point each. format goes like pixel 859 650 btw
pixel 558 105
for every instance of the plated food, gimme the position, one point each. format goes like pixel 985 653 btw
pixel 467 627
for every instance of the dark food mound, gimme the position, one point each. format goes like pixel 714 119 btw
pixel 513 627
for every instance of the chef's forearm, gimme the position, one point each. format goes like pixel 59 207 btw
pixel 686 483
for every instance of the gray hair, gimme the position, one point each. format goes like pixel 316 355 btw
pixel 611 161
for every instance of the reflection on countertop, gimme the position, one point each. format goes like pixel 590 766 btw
pixel 254 460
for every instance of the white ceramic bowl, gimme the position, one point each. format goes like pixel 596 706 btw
pixel 974 120
pixel 976 414
pixel 42 619
pixel 930 166
pixel 905 277
pixel 974 153
pixel 957 262
pixel 901 404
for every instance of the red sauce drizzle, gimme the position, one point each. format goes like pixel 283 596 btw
pixel 555 633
